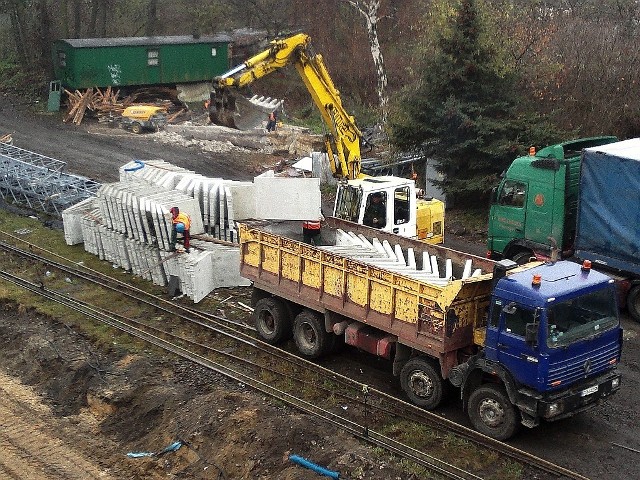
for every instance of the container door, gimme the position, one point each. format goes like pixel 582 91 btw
pixel 55 88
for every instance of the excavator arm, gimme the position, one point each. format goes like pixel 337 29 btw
pixel 342 142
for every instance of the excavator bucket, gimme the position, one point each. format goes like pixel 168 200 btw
pixel 239 112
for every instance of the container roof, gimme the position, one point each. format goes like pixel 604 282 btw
pixel 141 41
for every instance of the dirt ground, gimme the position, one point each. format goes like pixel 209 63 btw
pixel 92 407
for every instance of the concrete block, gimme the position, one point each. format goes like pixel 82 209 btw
pixel 281 198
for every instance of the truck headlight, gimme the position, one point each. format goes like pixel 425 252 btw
pixel 553 409
pixel 615 383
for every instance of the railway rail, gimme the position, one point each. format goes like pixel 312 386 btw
pixel 205 339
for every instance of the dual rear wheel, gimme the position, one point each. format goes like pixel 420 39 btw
pixel 276 322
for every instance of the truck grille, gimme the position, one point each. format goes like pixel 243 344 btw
pixel 583 366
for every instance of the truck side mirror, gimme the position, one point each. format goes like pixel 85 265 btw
pixel 531 334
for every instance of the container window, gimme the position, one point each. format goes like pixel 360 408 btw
pixel 214 52
pixel 62 59
pixel 153 58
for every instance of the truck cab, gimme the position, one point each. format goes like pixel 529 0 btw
pixel 402 210
pixel 553 338
pixel 534 207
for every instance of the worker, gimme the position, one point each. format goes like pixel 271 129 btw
pixel 375 215
pixel 311 231
pixel 271 123
pixel 181 224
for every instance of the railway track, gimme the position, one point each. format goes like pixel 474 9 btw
pixel 230 348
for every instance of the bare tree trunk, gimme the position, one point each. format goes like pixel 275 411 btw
pixel 102 18
pixel 19 31
pixel 151 27
pixel 77 18
pixel 44 35
pixel 369 10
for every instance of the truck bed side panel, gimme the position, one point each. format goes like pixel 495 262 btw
pixel 609 212
pixel 433 319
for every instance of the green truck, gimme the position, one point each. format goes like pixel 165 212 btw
pixel 576 199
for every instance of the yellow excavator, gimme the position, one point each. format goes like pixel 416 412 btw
pixel 403 213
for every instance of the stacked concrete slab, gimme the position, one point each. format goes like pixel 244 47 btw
pixel 430 269
pixel 223 202
pixel 129 223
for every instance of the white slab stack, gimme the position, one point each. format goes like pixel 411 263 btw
pixel 72 220
pixel 383 255
pixel 129 223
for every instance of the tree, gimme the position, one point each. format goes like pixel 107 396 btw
pixel 465 112
pixel 369 10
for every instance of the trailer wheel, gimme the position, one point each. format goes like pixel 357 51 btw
pixel 633 302
pixel 422 383
pixel 310 336
pixel 272 320
pixel 491 412
pixel 136 128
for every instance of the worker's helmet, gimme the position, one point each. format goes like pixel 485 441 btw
pixel 174 211
pixel 180 227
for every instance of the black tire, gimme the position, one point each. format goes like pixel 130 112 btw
pixel 136 128
pixel 422 383
pixel 491 412
pixel 272 320
pixel 522 257
pixel 633 302
pixel 257 295
pixel 311 339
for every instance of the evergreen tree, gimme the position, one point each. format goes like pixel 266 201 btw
pixel 465 113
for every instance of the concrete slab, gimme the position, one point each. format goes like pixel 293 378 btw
pixel 281 198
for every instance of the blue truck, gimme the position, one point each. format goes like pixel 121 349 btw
pixel 521 343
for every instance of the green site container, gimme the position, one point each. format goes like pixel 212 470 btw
pixel 137 61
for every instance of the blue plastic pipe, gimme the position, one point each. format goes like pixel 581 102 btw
pixel 312 466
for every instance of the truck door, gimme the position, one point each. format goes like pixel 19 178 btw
pixel 404 213
pixel 512 350
pixel 507 215
pixel 545 207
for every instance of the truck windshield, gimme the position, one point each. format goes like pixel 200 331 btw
pixel 348 203
pixel 581 317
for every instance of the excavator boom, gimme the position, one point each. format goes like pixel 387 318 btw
pixel 228 107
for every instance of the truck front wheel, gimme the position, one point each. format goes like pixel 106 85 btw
pixel 309 334
pixel 136 128
pixel 272 320
pixel 633 302
pixel 422 383
pixel 491 412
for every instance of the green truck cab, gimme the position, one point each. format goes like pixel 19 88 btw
pixel 534 208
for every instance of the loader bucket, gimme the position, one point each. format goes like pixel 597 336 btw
pixel 239 112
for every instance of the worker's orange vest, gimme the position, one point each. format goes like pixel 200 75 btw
pixel 311 224
pixel 183 218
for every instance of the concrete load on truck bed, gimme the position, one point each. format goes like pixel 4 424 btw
pixel 405 292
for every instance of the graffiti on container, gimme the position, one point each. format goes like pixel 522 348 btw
pixel 115 71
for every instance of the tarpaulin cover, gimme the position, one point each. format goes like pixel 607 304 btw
pixel 608 230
